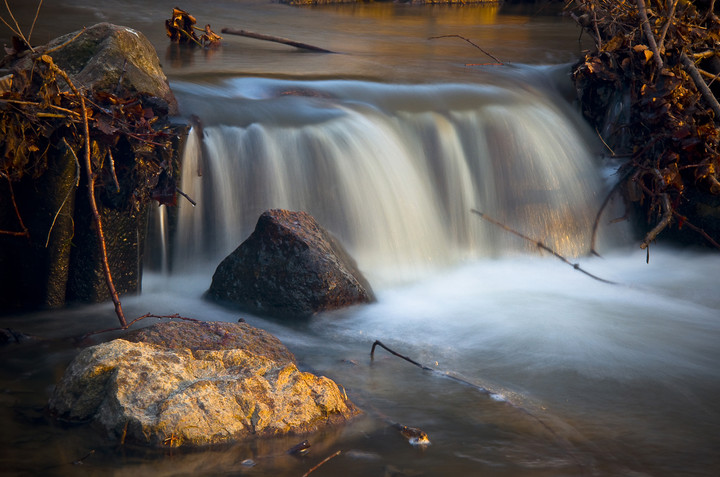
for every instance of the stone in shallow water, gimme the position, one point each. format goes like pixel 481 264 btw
pixel 203 391
pixel 289 267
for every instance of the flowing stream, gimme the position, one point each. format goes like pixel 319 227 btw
pixel 539 370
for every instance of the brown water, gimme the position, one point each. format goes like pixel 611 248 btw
pixel 582 378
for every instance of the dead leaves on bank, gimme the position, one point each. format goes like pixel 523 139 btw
pixel 649 88
pixel 181 28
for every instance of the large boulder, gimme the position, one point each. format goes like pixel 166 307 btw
pixel 289 267
pixel 195 384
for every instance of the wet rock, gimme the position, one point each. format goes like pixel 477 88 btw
pixel 111 58
pixel 225 382
pixel 10 336
pixel 289 267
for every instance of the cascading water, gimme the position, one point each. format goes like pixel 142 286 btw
pixel 394 171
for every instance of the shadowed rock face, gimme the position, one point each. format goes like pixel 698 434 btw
pixel 289 267
pixel 225 382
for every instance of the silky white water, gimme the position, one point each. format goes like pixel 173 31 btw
pixel 393 170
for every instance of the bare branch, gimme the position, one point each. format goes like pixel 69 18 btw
pixel 542 246
pixel 649 34
pixel 91 190
pixel 467 40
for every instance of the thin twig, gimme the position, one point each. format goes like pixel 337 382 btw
pixel 32 27
pixel 704 89
pixel 597 29
pixel 25 232
pixel 667 217
pixel 322 463
pixel 697 229
pixel 542 246
pixel 668 22
pixel 91 191
pixel 612 153
pixel 379 343
pixel 51 50
pixel 174 316
pixel 642 9
pixel 596 224
pixel 467 40
pixel 605 203
pixel 81 460
pixel 17 31
pixel 70 191
pixel 189 199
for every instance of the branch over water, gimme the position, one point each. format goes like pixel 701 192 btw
pixel 541 246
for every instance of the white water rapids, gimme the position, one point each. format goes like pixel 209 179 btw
pixel 393 170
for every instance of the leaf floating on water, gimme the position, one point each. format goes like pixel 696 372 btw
pixel 415 436
pixel 299 449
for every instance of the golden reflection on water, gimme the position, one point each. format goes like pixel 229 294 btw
pixel 441 14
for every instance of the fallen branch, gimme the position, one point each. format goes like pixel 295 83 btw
pixel 91 189
pixel 146 315
pixel 467 40
pixel 542 246
pixel 483 390
pixel 704 89
pixel 275 39
pixel 17 30
pixel 667 216
pixel 648 33
pixel 81 460
pixel 379 343
pixel 325 460
pixel 189 199
pixel 668 21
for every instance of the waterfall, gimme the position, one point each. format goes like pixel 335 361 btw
pixel 392 170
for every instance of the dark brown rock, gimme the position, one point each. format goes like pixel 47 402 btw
pixel 289 267
pixel 188 386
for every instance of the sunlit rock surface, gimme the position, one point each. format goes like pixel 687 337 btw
pixel 195 384
pixel 289 267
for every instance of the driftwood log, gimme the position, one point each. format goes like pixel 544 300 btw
pixel 275 39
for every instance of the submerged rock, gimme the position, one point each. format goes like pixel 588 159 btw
pixel 194 384
pixel 289 267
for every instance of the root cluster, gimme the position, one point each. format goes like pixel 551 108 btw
pixel 649 87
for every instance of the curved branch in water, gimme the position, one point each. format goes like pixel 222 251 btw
pixel 541 246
